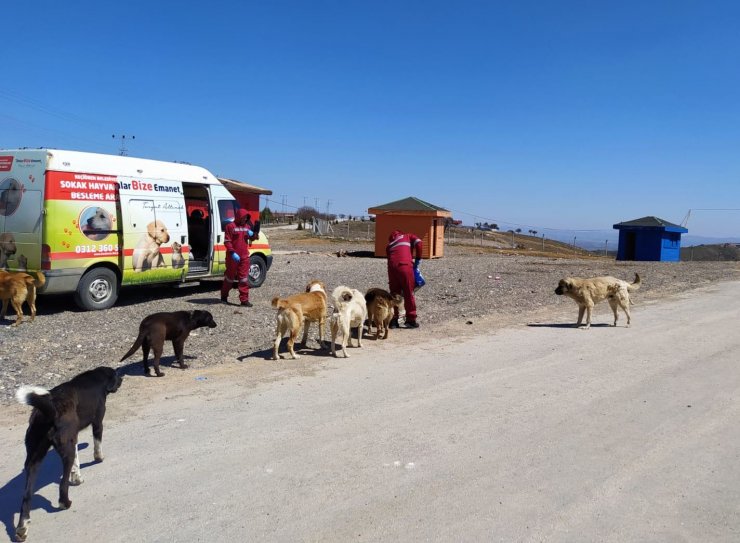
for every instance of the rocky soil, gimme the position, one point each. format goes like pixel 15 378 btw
pixel 466 288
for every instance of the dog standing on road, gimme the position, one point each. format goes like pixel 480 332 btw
pixel 157 328
pixel 587 292
pixel 300 309
pixel 380 304
pixel 350 312
pixel 58 417
pixel 16 288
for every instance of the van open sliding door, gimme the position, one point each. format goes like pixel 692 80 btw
pixel 154 231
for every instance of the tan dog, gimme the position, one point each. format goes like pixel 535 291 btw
pixel 146 254
pixel 349 313
pixel 177 259
pixel 17 288
pixel 380 304
pixel 7 248
pixel 297 310
pixel 587 292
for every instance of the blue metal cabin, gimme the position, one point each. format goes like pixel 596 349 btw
pixel 649 238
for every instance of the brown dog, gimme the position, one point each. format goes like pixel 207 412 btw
pixel 157 328
pixel 380 304
pixel 146 255
pixel 58 417
pixel 17 288
pixel 303 308
pixel 587 292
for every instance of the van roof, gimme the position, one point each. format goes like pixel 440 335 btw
pixel 98 163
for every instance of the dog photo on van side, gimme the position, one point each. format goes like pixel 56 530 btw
pixel 7 248
pixel 95 223
pixel 146 254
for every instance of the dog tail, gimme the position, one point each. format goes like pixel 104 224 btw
pixel 37 397
pixel 635 285
pixel 341 295
pixel 134 347
pixel 38 281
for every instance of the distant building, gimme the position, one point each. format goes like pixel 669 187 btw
pixel 649 239
pixel 425 220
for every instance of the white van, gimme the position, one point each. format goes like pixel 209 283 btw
pixel 93 223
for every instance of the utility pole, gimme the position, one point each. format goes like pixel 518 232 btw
pixel 123 151
pixel 606 245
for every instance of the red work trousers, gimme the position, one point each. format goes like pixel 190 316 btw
pixel 236 272
pixel 401 281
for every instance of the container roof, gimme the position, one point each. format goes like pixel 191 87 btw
pixel 238 186
pixel 407 204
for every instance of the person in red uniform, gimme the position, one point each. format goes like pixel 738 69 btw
pixel 236 240
pixel 400 251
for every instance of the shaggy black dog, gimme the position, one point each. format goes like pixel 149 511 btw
pixel 58 416
pixel 157 328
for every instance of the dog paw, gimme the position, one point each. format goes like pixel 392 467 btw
pixel 75 479
pixel 21 532
pixel 183 365
pixel 65 504
pixel 160 374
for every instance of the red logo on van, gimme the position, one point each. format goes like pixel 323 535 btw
pixel 6 162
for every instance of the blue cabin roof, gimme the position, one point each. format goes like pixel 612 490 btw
pixel 650 222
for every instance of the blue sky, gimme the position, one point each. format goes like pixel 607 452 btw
pixel 556 116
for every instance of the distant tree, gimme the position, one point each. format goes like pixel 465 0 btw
pixel 518 230
pixel 266 215
pixel 306 214
pixel 494 226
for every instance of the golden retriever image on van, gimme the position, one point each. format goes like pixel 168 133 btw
pixel 146 254
pixel 98 225
pixel 587 292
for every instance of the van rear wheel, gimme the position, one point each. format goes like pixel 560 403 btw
pixel 98 289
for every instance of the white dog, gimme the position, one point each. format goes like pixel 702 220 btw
pixel 146 254
pixel 350 311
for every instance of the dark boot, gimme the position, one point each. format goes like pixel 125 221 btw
pixel 393 323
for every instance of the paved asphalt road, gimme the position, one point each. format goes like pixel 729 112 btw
pixel 538 432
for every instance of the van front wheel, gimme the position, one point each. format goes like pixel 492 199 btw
pixel 98 289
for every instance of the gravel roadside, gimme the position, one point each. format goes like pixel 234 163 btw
pixel 465 286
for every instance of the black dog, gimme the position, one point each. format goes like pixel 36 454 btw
pixel 58 416
pixel 155 329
